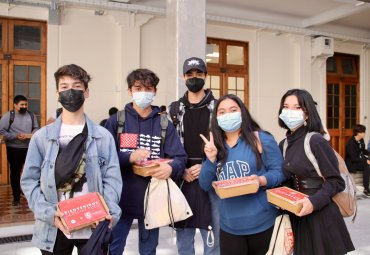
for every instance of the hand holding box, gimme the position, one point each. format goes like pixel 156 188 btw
pixel 83 211
pixel 143 168
pixel 235 187
pixel 285 198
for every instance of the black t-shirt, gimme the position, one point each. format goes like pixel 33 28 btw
pixel 195 121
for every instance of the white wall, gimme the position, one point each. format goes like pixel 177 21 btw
pixel 91 42
pixel 112 45
pixel 154 56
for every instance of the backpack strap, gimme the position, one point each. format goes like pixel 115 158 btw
pixel 174 112
pixel 164 125
pixel 32 119
pixel 120 122
pixel 58 111
pixel 11 119
pixel 309 154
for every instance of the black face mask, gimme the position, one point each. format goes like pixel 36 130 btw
pixel 71 99
pixel 23 110
pixel 195 84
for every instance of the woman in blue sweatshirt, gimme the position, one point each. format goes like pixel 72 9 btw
pixel 238 147
pixel 143 136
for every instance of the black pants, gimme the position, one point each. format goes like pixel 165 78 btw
pixel 256 244
pixel 366 177
pixel 16 158
pixel 365 168
pixel 64 246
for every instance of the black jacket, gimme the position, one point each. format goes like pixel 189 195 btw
pixel 196 120
pixel 356 155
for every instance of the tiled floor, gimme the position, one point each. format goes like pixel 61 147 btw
pixel 10 214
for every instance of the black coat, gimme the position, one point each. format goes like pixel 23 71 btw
pixel 322 232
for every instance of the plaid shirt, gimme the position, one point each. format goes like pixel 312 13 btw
pixel 180 116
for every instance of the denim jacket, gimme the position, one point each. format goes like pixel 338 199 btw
pixel 38 180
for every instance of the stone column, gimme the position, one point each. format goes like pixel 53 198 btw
pixel 186 37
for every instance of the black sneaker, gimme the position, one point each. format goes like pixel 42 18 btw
pixel 366 193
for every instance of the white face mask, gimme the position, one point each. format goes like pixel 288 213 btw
pixel 292 118
pixel 143 99
pixel 230 122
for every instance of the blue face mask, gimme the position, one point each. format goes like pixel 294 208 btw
pixel 230 122
pixel 143 99
pixel 292 118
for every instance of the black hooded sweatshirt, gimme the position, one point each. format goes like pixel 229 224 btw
pixel 196 121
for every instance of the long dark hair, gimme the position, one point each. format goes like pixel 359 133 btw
pixel 248 126
pixel 308 106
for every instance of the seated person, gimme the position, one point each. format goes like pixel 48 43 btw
pixel 357 157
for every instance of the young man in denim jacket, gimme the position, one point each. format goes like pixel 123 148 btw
pixel 100 174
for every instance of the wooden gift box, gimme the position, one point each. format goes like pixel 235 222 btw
pixel 285 198
pixel 83 211
pixel 235 187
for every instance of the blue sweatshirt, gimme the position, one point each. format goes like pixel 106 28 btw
pixel 246 214
pixel 143 133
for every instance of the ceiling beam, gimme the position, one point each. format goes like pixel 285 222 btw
pixel 334 14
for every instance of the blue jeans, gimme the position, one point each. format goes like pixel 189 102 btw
pixel 148 239
pixel 185 237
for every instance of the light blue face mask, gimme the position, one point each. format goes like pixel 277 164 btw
pixel 143 99
pixel 292 118
pixel 230 122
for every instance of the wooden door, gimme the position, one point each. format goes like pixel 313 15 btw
pixel 227 64
pixel 342 99
pixel 23 71
pixel 4 178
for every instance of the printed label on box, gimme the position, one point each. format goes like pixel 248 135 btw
pixel 83 210
pixel 288 193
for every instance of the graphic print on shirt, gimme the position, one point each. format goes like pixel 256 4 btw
pixel 130 142
pixel 234 169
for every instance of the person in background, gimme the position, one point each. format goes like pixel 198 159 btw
pixel 357 157
pixel 163 109
pixel 319 227
pixel 111 111
pixel 143 137
pixel 53 172
pixel 16 126
pixel 238 147
pixel 191 116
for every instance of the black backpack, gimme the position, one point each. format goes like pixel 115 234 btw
pixel 121 123
pixel 12 116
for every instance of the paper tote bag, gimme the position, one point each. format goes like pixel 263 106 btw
pixel 164 204
pixel 282 239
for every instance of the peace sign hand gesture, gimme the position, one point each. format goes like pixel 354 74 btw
pixel 209 148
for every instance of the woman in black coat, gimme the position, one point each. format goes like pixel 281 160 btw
pixel 319 228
